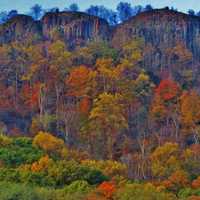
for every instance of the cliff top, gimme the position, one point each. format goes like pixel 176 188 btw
pixel 162 13
pixel 70 14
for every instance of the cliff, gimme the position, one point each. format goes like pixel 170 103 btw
pixel 75 28
pixel 162 30
pixel 19 28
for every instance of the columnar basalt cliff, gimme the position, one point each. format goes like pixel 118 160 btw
pixel 19 28
pixel 75 28
pixel 162 30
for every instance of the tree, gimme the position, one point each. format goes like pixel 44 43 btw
pixel 198 13
pixel 12 13
pixel 110 168
pixel 148 7
pixel 107 189
pixel 42 164
pixel 108 117
pixel 132 53
pixel 107 74
pixel 81 82
pixel 3 17
pixel 179 58
pixel 190 113
pixel 176 181
pixel 93 51
pixel 196 183
pixel 18 151
pixel 103 12
pixel 124 11
pixel 54 10
pixel 137 10
pixel 167 90
pixel 191 12
pixel 142 192
pixel 36 11
pixel 74 7
pixel 165 109
pixel 93 10
pixel 112 18
pixel 191 159
pixel 165 160
pixel 59 60
pixel 16 57
pixel 48 143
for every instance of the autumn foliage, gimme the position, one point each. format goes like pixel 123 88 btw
pixel 102 126
pixel 167 90
pixel 107 189
pixel 48 142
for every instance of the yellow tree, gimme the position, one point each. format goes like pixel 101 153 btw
pixel 59 65
pixel 108 116
pixel 107 74
pixel 165 160
pixel 190 114
pixel 49 143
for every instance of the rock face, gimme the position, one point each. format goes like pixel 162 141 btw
pixel 75 28
pixel 162 30
pixel 19 28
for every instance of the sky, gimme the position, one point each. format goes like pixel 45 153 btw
pixel 23 6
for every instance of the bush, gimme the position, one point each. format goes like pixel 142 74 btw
pixel 64 172
pixel 10 191
pixel 142 192
pixel 49 143
pixel 20 151
pixel 77 187
pixel 187 192
pixel 57 174
pixel 108 167
pixel 4 140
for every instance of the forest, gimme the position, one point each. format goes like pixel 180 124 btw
pixel 93 122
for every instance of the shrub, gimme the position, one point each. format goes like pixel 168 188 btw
pixel 107 189
pixel 188 192
pixel 108 167
pixel 77 187
pixel 49 143
pixel 64 172
pixel 10 191
pixel 20 151
pixel 196 183
pixel 4 140
pixel 142 192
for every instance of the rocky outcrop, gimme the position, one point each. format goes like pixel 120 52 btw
pixel 19 28
pixel 75 28
pixel 162 30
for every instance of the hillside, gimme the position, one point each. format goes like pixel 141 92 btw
pixel 89 111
